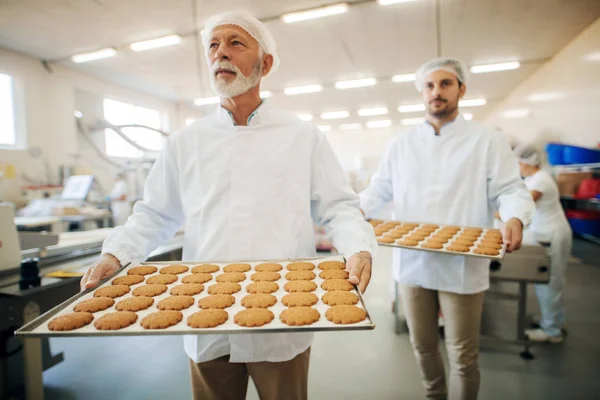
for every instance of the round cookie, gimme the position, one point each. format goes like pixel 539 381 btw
pixel 69 322
pixel 337 284
pixel 268 267
pixel 299 300
pixel 187 289
pixel 237 268
pixel 339 297
pixel 134 304
pixel 253 317
pixel 205 269
pixel 149 290
pixel 128 280
pixel 262 287
pixel 94 304
pixel 115 320
pixel 174 269
pixel 384 239
pixel 216 301
pixel 432 245
pixel 301 275
pixel 259 300
pixel 334 274
pixel 175 303
pixel 199 277
pixel 112 291
pixel 300 266
pixel 161 319
pixel 406 242
pixel 207 318
pixel 486 251
pixel 224 288
pixel 299 316
pixel 494 246
pixel 266 276
pixel 164 279
pixel 231 277
pixel 345 314
pixel 300 286
pixel 325 265
pixel 458 248
pixel 142 270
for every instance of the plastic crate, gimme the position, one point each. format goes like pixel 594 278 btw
pixel 580 155
pixel 555 153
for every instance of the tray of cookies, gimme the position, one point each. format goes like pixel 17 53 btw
pixel 310 294
pixel 456 240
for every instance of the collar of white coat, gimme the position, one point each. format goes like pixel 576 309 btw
pixel 256 118
pixel 449 127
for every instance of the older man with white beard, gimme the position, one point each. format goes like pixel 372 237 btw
pixel 244 182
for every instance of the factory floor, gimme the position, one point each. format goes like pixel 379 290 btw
pixel 358 365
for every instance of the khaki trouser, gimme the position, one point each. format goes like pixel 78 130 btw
pixel 221 380
pixel 462 321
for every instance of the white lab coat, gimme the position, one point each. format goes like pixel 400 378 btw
pixel 121 209
pixel 550 225
pixel 245 193
pixel 459 178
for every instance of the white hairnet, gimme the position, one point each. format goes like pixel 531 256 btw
pixel 247 22
pixel 527 154
pixel 444 64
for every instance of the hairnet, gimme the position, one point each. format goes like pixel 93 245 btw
pixel 527 154
pixel 444 64
pixel 247 22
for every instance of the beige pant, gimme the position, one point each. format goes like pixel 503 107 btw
pixel 462 320
pixel 221 380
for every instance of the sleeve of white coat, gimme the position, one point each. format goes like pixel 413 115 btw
pixel 336 205
pixel 505 186
pixel 379 192
pixel 156 218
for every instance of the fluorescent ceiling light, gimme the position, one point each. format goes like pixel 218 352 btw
pixel 156 43
pixel 370 112
pixel 350 127
pixel 468 117
pixel 390 2
pixel 403 78
pixel 548 96
pixel 324 128
pixel 315 13
pixel 94 55
pixel 516 113
pixel 189 121
pixel 479 69
pixel 412 121
pixel 592 56
pixel 265 94
pixel 335 115
pixel 305 117
pixel 78 114
pixel 207 100
pixel 411 108
pixel 290 91
pixel 382 123
pixel 355 83
pixel 472 103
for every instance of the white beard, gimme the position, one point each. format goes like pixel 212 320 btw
pixel 241 84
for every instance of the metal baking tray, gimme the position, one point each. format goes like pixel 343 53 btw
pixel 444 250
pixel 39 326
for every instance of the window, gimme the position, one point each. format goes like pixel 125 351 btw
pixel 8 135
pixel 120 113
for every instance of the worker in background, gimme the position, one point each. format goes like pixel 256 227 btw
pixel 244 181
pixel 453 172
pixel 549 225
pixel 120 206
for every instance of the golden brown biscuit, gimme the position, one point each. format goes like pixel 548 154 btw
pixel 69 322
pixel 175 303
pixel 262 287
pixel 299 299
pixel 385 239
pixel 300 286
pixel 380 231
pixel 437 240
pixel 492 240
pixel 266 276
pixel 345 314
pixel 458 248
pixel 218 301
pixel 325 265
pixel 231 277
pixel 299 316
pixel 493 246
pixel 432 245
pixel 253 317
pixel 375 221
pixel 187 289
pixel 416 236
pixel 174 269
pixel 269 267
pixel 239 267
pixel 337 284
pixel 162 319
pixel 113 291
pixel 199 277
pixel 224 288
pixel 142 270
pixel 340 297
pixel 165 279
pixel 443 235
pixel 207 318
pixel 115 320
pixel 470 236
pixel 476 231
pixel 463 242
pixel 300 266
pixel 451 228
pixel 486 251
pixel 94 304
pixel 134 304
pixel 205 269
pixel 334 274
pixel 493 232
pixel 393 235
pixel 259 300
pixel 430 226
pixel 406 242
pixel 128 280
pixel 301 275
pixel 411 225
pixel 149 290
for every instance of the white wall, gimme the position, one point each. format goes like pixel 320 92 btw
pixel 572 118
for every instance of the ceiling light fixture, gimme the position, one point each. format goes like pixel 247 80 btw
pixel 335 115
pixel 480 69
pixel 350 127
pixel 324 128
pixel 516 113
pixel 382 123
pixel 468 117
pixel 156 43
pixel 472 103
pixel 390 2
pixel 207 100
pixel 305 117
pixel 265 94
pixel 370 112
pixel 411 108
pixel 291 91
pixel 94 55
pixel 315 13
pixel 403 78
pixel 357 83
pixel 547 96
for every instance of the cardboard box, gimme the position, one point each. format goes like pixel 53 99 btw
pixel 568 183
